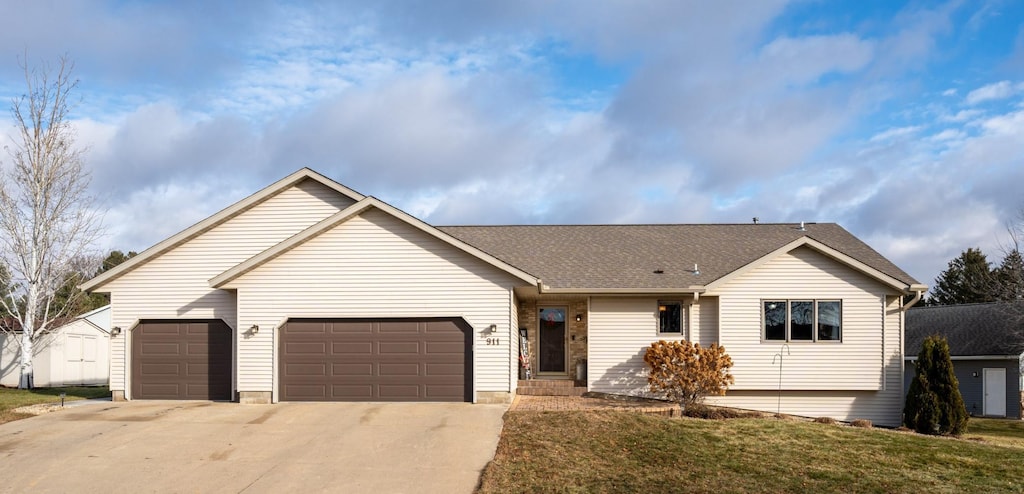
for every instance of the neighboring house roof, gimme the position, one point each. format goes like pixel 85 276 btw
pixel 627 256
pixel 971 329
pixel 218 218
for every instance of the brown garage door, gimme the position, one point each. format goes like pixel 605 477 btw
pixel 181 360
pixel 375 360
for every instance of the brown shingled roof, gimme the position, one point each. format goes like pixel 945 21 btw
pixel 626 256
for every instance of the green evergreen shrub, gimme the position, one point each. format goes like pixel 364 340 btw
pixel 934 405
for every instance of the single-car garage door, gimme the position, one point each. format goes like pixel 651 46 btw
pixel 375 360
pixel 181 360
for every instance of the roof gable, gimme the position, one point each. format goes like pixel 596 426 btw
pixel 215 220
pixel 348 213
pixel 971 329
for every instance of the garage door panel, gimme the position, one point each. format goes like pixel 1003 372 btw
pixel 352 392
pixel 160 369
pixel 306 392
pixel 160 391
pixel 306 369
pixel 168 329
pixel 381 360
pixel 352 348
pixel 399 327
pixel 301 327
pixel 183 360
pixel 304 348
pixel 352 328
pixel 443 370
pixel 441 391
pixel 405 369
pixel 398 347
pixel 444 347
pixel 160 349
pixel 352 369
pixel 387 391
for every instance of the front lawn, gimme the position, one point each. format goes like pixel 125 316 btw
pixel 16 398
pixel 630 452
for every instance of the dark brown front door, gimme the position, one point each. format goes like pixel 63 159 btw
pixel 181 360
pixel 552 339
pixel 375 360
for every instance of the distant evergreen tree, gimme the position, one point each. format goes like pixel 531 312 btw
pixel 934 405
pixel 80 303
pixel 1008 278
pixel 967 280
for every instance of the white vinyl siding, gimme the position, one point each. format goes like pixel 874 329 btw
pixel 175 285
pixel 883 407
pixel 803 274
pixel 619 332
pixel 855 378
pixel 704 317
pixel 375 265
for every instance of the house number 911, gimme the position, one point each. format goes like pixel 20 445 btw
pixel 493 341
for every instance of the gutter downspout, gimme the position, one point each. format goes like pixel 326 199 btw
pixel 917 298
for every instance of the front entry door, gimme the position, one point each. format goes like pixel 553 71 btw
pixel 552 339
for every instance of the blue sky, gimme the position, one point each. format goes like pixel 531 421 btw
pixel 902 121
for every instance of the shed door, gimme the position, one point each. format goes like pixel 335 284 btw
pixel 80 365
pixel 181 360
pixel 995 392
pixel 375 360
pixel 73 353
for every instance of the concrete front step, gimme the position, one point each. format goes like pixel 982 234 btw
pixel 543 387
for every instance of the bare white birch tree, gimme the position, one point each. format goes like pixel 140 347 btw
pixel 47 217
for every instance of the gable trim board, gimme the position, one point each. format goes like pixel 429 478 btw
pixel 356 209
pixel 217 219
pixel 367 259
pixel 824 249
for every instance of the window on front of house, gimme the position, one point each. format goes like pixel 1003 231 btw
pixel 802 320
pixel 670 317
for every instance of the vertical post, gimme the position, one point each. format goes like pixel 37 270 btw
pixel 785 346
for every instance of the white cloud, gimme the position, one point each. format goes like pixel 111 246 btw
pixel 994 91
pixel 895 133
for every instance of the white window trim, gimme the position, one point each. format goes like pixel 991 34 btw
pixel 683 319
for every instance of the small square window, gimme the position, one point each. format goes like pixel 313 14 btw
pixel 670 317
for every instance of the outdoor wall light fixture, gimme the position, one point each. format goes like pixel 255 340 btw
pixel 579 317
pixel 255 328
pixel 116 330
pixel 490 329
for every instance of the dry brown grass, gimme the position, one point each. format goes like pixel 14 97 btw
pixel 629 452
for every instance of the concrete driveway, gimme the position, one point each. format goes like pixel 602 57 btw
pixel 147 446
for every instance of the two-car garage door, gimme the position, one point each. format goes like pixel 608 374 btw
pixel 375 360
pixel 423 359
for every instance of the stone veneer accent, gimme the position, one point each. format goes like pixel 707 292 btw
pixel 577 340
